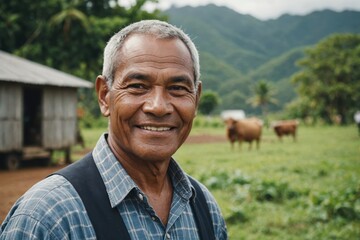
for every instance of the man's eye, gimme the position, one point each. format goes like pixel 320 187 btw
pixel 136 86
pixel 178 88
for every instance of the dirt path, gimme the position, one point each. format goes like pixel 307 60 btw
pixel 206 139
pixel 14 184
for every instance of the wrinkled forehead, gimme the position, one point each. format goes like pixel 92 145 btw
pixel 147 49
pixel 145 43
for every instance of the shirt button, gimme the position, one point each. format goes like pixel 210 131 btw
pixel 153 218
pixel 141 197
pixel 167 236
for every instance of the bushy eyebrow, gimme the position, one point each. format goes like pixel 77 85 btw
pixel 138 76
pixel 175 79
pixel 182 79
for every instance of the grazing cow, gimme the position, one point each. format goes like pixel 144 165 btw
pixel 285 127
pixel 247 130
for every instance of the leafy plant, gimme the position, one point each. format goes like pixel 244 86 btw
pixel 272 191
pixel 238 177
pixel 222 179
pixel 329 76
pixel 236 215
pixel 330 205
pixel 216 180
pixel 208 102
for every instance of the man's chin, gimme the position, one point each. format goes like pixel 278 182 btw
pixel 151 152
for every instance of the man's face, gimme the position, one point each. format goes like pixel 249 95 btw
pixel 153 100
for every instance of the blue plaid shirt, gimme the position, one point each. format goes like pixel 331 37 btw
pixel 52 209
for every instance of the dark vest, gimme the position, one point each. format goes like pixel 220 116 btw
pixel 107 222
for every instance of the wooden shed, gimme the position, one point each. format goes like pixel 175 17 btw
pixel 37 109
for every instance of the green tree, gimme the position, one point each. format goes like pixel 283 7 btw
pixel 208 102
pixel 68 14
pixel 9 26
pixel 263 96
pixel 330 77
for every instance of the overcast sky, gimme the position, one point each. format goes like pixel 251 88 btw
pixel 267 9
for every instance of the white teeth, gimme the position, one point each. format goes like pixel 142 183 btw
pixel 157 129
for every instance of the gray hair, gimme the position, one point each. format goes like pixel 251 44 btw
pixel 156 28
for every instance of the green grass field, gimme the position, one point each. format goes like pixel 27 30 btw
pixel 309 189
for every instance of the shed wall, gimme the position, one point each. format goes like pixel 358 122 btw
pixel 11 127
pixel 59 117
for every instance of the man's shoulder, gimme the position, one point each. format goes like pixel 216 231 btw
pixel 50 199
pixel 51 209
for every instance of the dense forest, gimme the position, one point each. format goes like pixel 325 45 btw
pixel 237 51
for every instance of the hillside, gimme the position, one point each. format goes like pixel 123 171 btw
pixel 236 50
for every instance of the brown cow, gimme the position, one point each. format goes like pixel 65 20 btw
pixel 285 127
pixel 247 130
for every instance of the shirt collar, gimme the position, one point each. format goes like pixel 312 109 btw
pixel 119 184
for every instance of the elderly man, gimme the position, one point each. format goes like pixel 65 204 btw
pixel 149 90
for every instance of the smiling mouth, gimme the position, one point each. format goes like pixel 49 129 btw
pixel 155 129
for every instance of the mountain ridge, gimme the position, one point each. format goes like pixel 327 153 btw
pixel 255 49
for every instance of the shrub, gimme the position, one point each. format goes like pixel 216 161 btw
pixel 239 178
pixel 236 215
pixel 271 191
pixel 222 179
pixel 215 180
pixel 91 122
pixel 329 205
pixel 208 122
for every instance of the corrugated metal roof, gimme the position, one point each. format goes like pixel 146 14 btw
pixel 16 69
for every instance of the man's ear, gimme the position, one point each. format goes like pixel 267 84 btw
pixel 102 91
pixel 198 95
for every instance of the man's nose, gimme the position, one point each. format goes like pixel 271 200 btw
pixel 158 102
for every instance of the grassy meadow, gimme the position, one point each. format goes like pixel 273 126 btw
pixel 309 189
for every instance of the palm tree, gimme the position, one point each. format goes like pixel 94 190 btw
pixel 263 96
pixel 66 16
pixel 9 27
